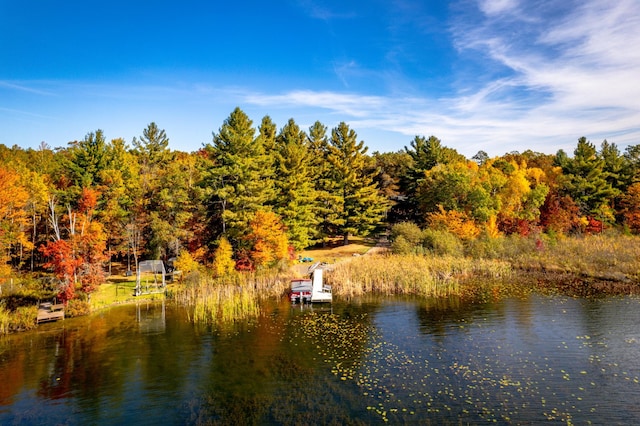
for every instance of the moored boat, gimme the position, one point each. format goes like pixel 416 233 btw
pixel 312 289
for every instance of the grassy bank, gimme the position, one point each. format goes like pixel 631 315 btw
pixel 605 257
pixel 583 266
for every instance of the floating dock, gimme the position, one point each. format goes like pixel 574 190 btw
pixel 50 312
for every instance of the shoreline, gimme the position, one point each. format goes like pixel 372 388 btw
pixel 530 278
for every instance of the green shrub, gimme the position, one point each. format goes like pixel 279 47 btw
pixel 400 245
pixel 485 247
pixel 409 231
pixel 441 243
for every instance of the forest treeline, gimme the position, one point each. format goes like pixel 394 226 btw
pixel 255 195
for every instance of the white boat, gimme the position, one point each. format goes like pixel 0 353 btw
pixel 311 290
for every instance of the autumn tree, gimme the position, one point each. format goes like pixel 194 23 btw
pixel 13 217
pixel 76 253
pixel 559 214
pixel 223 263
pixel 456 222
pixel 185 263
pixel 462 187
pixel 267 240
pixel 521 196
pixel 90 243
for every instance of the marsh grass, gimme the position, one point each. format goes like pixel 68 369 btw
pixel 428 276
pixel 605 256
pixel 234 297
pixel 21 319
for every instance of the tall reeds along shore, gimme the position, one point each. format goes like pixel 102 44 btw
pixel 230 298
pixel 420 275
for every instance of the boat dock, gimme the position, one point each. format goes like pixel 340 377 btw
pixel 50 312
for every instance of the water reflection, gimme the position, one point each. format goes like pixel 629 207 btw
pixel 525 360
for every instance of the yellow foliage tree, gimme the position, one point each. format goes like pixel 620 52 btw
pixel 185 263
pixel 13 216
pixel 456 222
pixel 491 227
pixel 268 239
pixel 223 263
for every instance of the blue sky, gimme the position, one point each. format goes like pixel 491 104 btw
pixel 492 75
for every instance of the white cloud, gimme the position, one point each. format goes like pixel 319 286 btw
pixel 496 7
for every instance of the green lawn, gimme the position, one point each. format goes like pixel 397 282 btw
pixel 118 289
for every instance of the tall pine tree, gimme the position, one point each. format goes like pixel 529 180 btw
pixel 329 203
pixel 147 221
pixel 364 207
pixel 240 179
pixel 295 192
pixel 585 180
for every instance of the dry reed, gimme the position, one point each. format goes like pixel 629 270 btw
pixel 611 257
pixel 230 298
pixel 430 276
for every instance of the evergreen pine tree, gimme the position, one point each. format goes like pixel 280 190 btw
pixel 364 207
pixel 585 180
pixel 329 203
pixel 240 179
pixel 295 190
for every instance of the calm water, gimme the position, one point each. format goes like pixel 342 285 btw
pixel 531 360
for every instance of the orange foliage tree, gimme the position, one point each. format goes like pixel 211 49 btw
pixel 13 217
pixel 456 222
pixel 90 243
pixel 268 240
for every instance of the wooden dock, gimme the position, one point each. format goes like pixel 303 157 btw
pixel 50 312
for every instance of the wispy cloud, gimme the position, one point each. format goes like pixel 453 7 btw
pixel 31 87
pixel 575 67
pixel 497 7
pixel 318 10
pixel 546 75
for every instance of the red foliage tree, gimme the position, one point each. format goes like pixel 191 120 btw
pixel 81 255
pixel 64 264
pixel 559 213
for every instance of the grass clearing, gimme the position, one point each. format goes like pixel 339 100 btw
pixel 335 251
pixel 118 289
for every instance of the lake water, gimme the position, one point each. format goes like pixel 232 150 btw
pixel 528 360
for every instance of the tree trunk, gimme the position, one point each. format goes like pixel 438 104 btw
pixel 345 241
